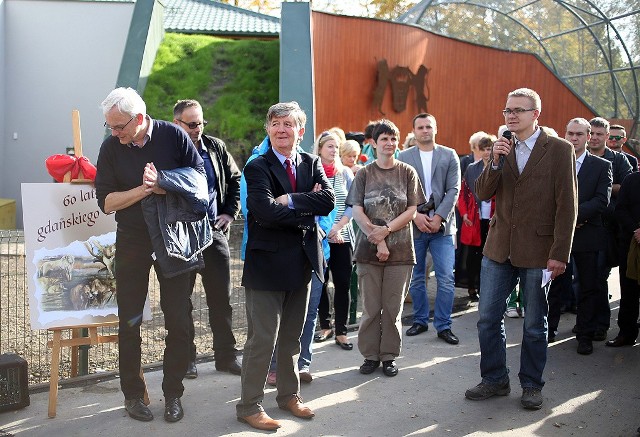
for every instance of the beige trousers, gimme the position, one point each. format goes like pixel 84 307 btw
pixel 383 289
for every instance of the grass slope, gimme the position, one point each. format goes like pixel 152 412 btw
pixel 235 81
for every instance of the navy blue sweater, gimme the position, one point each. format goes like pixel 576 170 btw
pixel 120 167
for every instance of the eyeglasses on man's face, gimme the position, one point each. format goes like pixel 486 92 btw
pixel 194 124
pixel 616 137
pixel 516 111
pixel 119 128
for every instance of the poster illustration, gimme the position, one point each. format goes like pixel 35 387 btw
pixel 70 253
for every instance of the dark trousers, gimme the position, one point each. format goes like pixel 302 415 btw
pixel 133 264
pixel 216 280
pixel 591 294
pixel 271 316
pixel 603 308
pixel 474 257
pixel 340 265
pixel 629 299
pixel 557 290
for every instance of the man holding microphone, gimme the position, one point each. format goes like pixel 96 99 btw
pixel 533 177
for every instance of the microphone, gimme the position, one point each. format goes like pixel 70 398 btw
pixel 507 135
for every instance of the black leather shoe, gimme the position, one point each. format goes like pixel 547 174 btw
pixel 345 346
pixel 232 366
pixel 138 410
pixel 448 336
pixel 620 341
pixel 389 368
pixel 369 366
pixel 173 410
pixel 585 347
pixel 600 335
pixel 320 337
pixel 192 371
pixel 416 329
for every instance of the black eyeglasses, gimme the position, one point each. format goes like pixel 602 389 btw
pixel 616 137
pixel 516 111
pixel 194 124
pixel 120 128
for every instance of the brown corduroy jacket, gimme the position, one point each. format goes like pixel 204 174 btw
pixel 536 211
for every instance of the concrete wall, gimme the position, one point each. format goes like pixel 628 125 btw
pixel 3 108
pixel 296 63
pixel 58 56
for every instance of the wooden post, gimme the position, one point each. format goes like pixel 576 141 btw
pixel 77 147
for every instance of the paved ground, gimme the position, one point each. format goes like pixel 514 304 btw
pixel 596 395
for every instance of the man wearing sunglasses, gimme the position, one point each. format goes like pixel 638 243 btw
pixel 223 179
pixel 617 139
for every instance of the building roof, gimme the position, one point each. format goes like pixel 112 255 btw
pixel 216 18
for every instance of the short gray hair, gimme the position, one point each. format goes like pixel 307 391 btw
pixel 599 122
pixel 582 122
pixel 530 94
pixel 127 100
pixel 284 110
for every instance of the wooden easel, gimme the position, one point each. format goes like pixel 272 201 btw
pixel 77 339
pixel 77 147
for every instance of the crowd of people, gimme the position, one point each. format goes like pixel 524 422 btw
pixel 527 221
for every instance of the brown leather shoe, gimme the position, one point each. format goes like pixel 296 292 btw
pixel 306 377
pixel 297 408
pixel 260 421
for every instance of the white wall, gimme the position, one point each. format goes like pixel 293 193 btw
pixel 154 39
pixel 59 56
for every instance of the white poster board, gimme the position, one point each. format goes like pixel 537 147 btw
pixel 70 254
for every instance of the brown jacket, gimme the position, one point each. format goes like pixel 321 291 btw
pixel 536 211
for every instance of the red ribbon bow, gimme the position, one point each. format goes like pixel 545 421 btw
pixel 59 165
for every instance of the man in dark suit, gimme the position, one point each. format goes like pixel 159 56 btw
pixel 285 191
pixel 608 258
pixel 529 239
pixel 594 190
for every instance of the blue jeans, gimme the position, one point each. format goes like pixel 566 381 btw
pixel 306 340
pixel 443 254
pixel 497 282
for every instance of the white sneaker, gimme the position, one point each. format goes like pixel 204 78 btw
pixel 512 313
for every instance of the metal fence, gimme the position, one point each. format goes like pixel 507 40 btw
pixel 16 335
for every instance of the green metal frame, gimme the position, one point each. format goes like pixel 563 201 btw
pixel 578 10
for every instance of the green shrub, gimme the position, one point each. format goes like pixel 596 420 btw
pixel 235 81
